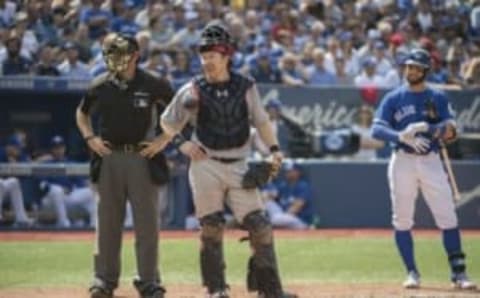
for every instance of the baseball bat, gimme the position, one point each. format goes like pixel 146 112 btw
pixel 451 176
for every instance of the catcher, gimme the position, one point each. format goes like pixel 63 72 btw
pixel 222 105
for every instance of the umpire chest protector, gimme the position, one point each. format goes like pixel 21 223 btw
pixel 223 119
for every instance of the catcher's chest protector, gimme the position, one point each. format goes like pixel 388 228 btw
pixel 223 120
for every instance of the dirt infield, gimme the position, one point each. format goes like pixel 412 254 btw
pixel 304 291
pixel 190 291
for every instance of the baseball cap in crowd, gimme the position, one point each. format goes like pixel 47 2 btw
pixel 401 57
pixel 129 4
pixel 57 141
pixel 373 34
pixel 369 62
pixel 345 36
pixel 289 166
pixel 274 103
pixel 191 15
pixel 21 17
pixel 263 53
pixel 397 39
pixel 379 45
pixel 14 141
pixel 69 45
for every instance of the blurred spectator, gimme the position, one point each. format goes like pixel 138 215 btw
pixel 161 34
pixel 292 72
pixel 15 63
pixel 472 73
pixel 158 63
pixel 318 75
pixel 368 145
pixel 383 62
pixel 369 76
pixel 181 72
pixel 263 71
pixel 125 24
pixel 72 67
pixel 29 40
pixel 394 77
pixel 424 15
pixel 65 193
pixel 10 187
pixel 189 36
pixel 289 200
pixel 95 18
pixel 45 65
pixel 7 13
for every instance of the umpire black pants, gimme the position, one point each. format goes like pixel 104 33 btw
pixel 126 176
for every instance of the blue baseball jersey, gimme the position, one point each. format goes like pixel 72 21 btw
pixel 401 107
pixel 69 182
pixel 288 193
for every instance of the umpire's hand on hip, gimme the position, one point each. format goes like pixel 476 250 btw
pixel 193 150
pixel 99 146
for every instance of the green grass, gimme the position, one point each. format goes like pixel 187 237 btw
pixel 334 260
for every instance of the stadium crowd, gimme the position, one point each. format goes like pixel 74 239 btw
pixel 329 42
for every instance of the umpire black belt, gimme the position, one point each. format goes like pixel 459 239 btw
pixel 225 160
pixel 127 148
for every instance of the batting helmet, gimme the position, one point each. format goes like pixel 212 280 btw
pixel 215 37
pixel 419 57
pixel 118 50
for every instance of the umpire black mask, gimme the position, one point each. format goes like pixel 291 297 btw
pixel 118 51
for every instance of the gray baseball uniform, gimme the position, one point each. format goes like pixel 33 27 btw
pixel 215 182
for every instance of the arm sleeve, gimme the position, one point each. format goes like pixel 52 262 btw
pixel 258 115
pixel 163 92
pixel 89 101
pixel 176 115
pixel 382 128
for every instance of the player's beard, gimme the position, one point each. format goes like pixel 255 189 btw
pixel 416 81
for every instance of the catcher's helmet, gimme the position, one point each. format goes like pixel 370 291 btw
pixel 419 57
pixel 117 51
pixel 215 37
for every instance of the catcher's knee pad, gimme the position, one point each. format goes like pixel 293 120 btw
pixel 212 263
pixel 212 226
pixel 259 228
pixel 457 262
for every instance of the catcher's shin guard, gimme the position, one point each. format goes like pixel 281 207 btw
pixel 212 262
pixel 263 273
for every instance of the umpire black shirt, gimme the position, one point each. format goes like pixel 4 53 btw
pixel 126 109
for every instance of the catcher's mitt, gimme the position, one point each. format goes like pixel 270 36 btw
pixel 258 174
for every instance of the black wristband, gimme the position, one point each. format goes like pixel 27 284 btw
pixel 178 140
pixel 88 138
pixel 274 148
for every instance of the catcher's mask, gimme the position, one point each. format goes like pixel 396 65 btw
pixel 117 51
pixel 215 37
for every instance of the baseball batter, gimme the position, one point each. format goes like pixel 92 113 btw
pixel 417 118
pixel 222 105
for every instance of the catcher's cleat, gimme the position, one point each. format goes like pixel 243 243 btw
pixel 284 295
pixel 149 290
pixel 412 281
pixel 100 292
pixel 462 282
pixel 219 294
